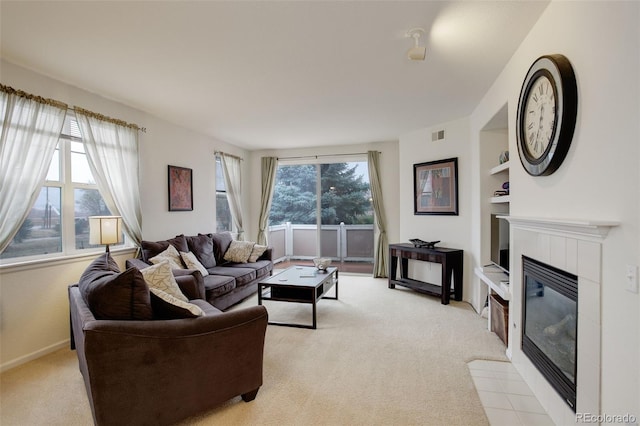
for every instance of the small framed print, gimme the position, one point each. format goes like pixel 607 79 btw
pixel 435 187
pixel 180 189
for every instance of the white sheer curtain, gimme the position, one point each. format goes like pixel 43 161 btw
pixel 29 133
pixel 112 153
pixel 232 172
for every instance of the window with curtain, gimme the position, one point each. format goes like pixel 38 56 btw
pixel 58 221
pixel 224 221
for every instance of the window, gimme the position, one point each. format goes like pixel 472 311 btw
pixel 223 212
pixel 58 221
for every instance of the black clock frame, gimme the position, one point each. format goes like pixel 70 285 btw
pixel 559 71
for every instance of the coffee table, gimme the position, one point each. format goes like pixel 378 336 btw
pixel 299 284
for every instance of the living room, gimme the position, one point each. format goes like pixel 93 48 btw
pixel 598 181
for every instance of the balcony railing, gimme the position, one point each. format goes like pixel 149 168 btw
pixel 343 243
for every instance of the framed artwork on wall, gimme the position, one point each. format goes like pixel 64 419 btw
pixel 180 189
pixel 435 187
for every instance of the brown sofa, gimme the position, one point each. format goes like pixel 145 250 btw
pixel 227 283
pixel 141 370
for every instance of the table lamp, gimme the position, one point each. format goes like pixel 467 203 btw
pixel 105 230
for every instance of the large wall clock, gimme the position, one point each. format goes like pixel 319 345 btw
pixel 547 111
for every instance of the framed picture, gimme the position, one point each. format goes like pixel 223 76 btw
pixel 180 189
pixel 435 187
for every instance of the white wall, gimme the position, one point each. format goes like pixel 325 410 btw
pixel 599 179
pixel 452 231
pixel 34 305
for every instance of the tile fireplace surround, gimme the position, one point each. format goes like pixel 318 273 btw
pixel 575 247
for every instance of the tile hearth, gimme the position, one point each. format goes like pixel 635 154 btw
pixel 506 398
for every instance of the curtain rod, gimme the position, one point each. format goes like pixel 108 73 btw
pixel 322 155
pixel 106 118
pixel 228 155
pixel 11 91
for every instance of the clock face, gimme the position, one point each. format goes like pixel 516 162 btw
pixel 547 110
pixel 540 116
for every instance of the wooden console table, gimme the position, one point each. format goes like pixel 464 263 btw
pixel 450 259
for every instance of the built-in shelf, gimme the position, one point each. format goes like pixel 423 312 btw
pixel 500 199
pixel 500 168
pixel 497 280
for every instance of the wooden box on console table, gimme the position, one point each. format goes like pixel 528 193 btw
pixel 450 259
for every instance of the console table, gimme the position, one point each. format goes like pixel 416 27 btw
pixel 450 259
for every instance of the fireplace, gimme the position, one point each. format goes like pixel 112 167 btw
pixel 550 326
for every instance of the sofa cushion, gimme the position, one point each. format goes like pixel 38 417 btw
pixel 216 285
pixel 257 251
pixel 165 306
pixel 170 255
pixel 160 276
pixel 242 275
pixel 201 246
pixel 262 267
pixel 221 242
pixel 192 262
pixel 239 251
pixel 115 295
pixel 151 248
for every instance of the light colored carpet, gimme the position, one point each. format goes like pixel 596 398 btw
pixel 379 356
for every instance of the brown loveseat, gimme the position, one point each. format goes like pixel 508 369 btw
pixel 226 282
pixel 142 368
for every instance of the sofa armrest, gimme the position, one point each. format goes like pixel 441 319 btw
pixel 191 283
pixel 138 263
pixel 267 255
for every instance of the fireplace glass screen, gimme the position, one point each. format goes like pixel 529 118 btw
pixel 550 324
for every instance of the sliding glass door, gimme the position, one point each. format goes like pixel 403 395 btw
pixel 324 210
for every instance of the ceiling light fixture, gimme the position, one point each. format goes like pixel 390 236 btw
pixel 417 52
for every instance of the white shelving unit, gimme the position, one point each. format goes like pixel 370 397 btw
pixel 496 279
pixel 500 168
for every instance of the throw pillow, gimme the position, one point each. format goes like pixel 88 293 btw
pixel 111 294
pixel 191 261
pixel 170 255
pixel 239 251
pixel 221 242
pixel 202 246
pixel 256 252
pixel 153 248
pixel 165 306
pixel 160 276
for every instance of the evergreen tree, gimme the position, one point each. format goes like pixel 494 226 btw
pixel 345 195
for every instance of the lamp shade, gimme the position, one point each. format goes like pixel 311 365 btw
pixel 105 230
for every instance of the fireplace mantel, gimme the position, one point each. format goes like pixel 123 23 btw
pixel 576 228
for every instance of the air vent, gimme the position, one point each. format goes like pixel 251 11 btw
pixel 437 136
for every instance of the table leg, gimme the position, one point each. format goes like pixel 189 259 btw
pixel 393 269
pixel 446 282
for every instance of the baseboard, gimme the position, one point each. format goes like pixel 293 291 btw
pixel 34 355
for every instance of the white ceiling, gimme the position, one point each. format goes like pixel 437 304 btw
pixel 274 74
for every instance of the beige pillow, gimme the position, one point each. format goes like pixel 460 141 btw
pixel 192 262
pixel 193 309
pixel 160 276
pixel 256 252
pixel 239 251
pixel 171 255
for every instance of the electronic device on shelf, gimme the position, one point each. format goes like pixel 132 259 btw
pixel 426 244
pixel 500 242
